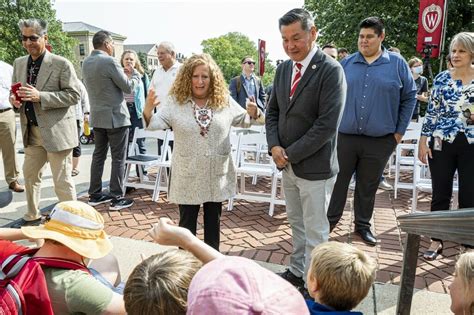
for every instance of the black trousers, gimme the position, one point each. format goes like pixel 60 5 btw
pixel 367 156
pixel 188 215
pixel 459 156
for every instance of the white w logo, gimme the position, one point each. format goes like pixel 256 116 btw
pixel 431 20
pixel 431 17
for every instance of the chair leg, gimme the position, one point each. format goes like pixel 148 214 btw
pixel 156 191
pixel 127 174
pixel 414 201
pixel 273 194
pixel 397 173
pixel 242 183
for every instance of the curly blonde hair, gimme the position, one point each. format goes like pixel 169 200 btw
pixel 182 86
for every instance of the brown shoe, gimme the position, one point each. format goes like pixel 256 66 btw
pixel 16 187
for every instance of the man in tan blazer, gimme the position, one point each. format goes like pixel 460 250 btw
pixel 48 94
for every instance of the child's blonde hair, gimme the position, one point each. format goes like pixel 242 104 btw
pixel 464 270
pixel 159 284
pixel 344 274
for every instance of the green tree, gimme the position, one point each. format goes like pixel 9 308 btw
pixel 338 21
pixel 144 62
pixel 228 51
pixel 11 11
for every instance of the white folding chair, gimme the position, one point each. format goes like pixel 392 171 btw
pixel 252 167
pixel 146 160
pixel 406 163
pixel 273 198
pixel 412 126
pixel 422 181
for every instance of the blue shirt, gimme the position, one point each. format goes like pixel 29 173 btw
pixel 380 96
pixel 250 85
pixel 450 109
pixel 319 309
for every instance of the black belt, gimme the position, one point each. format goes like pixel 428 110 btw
pixel 4 110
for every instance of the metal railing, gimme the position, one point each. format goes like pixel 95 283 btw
pixel 451 225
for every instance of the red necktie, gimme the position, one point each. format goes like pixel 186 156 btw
pixel 296 79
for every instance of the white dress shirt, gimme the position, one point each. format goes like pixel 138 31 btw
pixel 305 62
pixel 163 80
pixel 6 73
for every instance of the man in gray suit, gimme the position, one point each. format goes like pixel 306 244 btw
pixel 106 81
pixel 48 94
pixel 302 120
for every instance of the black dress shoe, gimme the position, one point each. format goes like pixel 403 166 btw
pixel 22 222
pixel 367 237
pixel 291 278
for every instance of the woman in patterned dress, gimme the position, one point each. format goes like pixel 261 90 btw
pixel 201 113
pixel 449 125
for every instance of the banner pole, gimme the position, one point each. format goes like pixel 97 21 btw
pixel 443 35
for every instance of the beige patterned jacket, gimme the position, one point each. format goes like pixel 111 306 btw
pixel 202 169
pixel 59 93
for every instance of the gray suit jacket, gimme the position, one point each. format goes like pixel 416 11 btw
pixel 306 126
pixel 59 92
pixel 106 82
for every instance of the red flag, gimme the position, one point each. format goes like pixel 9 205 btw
pixel 430 25
pixel 261 56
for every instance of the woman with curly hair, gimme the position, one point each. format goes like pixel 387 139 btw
pixel 201 112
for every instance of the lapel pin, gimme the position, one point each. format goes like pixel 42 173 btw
pixel 313 67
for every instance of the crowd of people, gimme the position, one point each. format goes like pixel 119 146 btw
pixel 326 121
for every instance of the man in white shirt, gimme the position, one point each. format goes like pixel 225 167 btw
pixel 8 129
pixel 164 76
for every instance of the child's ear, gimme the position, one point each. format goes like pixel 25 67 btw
pixel 313 286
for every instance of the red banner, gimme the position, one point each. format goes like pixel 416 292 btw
pixel 430 26
pixel 261 57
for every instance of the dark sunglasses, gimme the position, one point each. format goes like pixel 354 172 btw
pixel 33 38
pixel 249 62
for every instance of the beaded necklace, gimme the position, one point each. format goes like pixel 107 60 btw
pixel 203 117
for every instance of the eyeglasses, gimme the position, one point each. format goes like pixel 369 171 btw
pixel 33 38
pixel 249 62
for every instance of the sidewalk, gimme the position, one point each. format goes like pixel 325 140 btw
pixel 381 299
pixel 250 232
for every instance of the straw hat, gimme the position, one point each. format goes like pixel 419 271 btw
pixel 76 225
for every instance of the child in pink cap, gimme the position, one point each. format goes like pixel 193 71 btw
pixel 230 285
pixel 237 285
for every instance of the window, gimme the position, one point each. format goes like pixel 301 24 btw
pixel 82 50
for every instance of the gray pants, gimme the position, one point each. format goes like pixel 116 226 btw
pixel 307 202
pixel 117 138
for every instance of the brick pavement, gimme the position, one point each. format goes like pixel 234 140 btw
pixel 250 232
